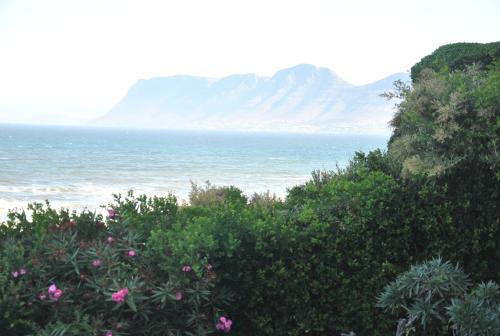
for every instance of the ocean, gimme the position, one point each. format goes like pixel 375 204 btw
pixel 80 167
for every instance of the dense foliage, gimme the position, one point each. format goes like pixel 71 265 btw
pixel 457 56
pixel 312 264
pixel 449 122
pixel 72 274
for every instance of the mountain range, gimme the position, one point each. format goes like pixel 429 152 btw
pixel 304 98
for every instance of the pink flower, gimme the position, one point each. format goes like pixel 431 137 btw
pixel 209 267
pixel 111 213
pixel 110 240
pixel 54 292
pixel 117 297
pixel 178 295
pixel 96 263
pixel 109 333
pixel 57 294
pixel 22 271
pixel 42 296
pixel 52 289
pixel 187 268
pixel 132 253
pixel 15 274
pixel 224 324
pixel 120 295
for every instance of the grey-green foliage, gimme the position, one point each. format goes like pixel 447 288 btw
pixel 478 313
pixel 424 292
pixel 80 325
pixel 448 120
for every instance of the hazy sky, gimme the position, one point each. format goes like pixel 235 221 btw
pixel 71 61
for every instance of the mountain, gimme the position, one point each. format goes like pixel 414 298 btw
pixel 304 98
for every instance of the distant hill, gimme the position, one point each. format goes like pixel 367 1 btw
pixel 303 98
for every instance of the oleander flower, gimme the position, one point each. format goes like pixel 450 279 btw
pixel 110 240
pixel 120 295
pixel 109 333
pixel 178 295
pixel 57 294
pixel 42 296
pixel 23 271
pixel 15 274
pixel 96 263
pixel 54 292
pixel 52 289
pixel 117 297
pixel 186 268
pixel 111 213
pixel 132 253
pixel 224 324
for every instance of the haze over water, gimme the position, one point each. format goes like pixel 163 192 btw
pixel 82 167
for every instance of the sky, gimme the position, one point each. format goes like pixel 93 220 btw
pixel 70 61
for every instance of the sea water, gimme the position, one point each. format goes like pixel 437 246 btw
pixel 80 167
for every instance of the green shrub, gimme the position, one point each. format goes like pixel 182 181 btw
pixel 433 297
pixel 446 132
pixel 73 274
pixel 314 263
pixel 424 292
pixel 457 56
pixel 478 313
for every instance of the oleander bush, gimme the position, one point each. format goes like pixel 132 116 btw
pixel 74 274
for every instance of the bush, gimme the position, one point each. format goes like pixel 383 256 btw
pixel 424 292
pixel 446 132
pixel 434 295
pixel 310 264
pixel 478 313
pixel 73 274
pixel 457 56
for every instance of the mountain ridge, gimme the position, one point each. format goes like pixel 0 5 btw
pixel 303 98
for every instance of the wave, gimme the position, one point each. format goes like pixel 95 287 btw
pixel 35 189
